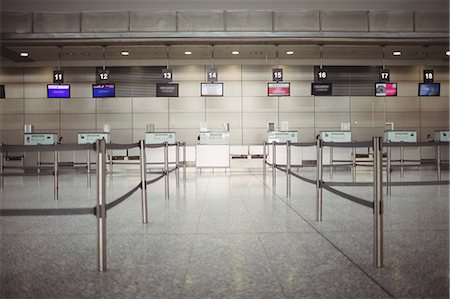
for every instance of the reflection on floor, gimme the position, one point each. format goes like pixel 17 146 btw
pixel 225 235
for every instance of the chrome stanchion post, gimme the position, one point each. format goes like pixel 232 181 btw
pixel 143 182
pixel 288 168
pixel 177 163
pixel 264 161
pixel 378 201
pixel 354 165
pixel 101 204
pixel 2 183
pixel 55 177
pixel 184 160
pixel 402 163
pixel 319 178
pixel 388 169
pixel 38 163
pixel 331 162
pixel 438 162
pixel 88 164
pixel 274 170
pixel 166 168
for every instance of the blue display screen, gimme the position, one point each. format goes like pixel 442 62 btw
pixel 103 90
pixel 429 89
pixel 58 91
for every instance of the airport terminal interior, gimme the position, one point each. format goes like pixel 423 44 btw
pixel 224 149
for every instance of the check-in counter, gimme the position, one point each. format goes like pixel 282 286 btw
pixel 336 155
pixel 213 150
pixel 411 155
pixel 281 151
pixel 155 156
pixel 39 139
pixel 88 138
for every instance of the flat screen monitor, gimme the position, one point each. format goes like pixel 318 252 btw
pixel 103 90
pixel 321 89
pixel 211 89
pixel 60 91
pixel 429 89
pixel 383 89
pixel 280 89
pixel 2 92
pixel 167 90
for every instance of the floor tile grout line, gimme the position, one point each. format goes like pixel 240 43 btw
pixel 329 241
pixel 262 246
pixel 194 239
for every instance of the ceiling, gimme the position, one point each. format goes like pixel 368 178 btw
pixel 177 52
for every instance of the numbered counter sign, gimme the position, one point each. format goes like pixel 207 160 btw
pixel 384 75
pixel 213 76
pixel 428 76
pixel 102 76
pixel 321 75
pixel 277 75
pixel 167 75
pixel 58 77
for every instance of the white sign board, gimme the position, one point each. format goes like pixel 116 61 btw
pixel 442 136
pixel 336 136
pixel 400 136
pixel 160 137
pixel 215 138
pixel 282 136
pixel 89 138
pixel 40 138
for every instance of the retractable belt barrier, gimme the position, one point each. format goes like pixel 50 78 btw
pixel 377 204
pixel 100 210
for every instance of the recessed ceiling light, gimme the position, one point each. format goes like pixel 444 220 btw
pixel 125 53
pixel 24 54
pixel 235 52
pixel 187 52
pixel 290 53
pixel 447 53
pixel 397 53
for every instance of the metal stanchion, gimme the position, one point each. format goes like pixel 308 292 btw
pixel 288 168
pixel 319 190
pixel 166 169
pixel 177 162
pixel 88 164
pixel 110 161
pixel 264 161
pixel 354 165
pixel 331 162
pixel 143 182
pixel 274 170
pixel 2 182
pixel 55 177
pixel 184 160
pixel 101 203
pixel 38 163
pixel 402 162
pixel 378 201
pixel 438 162
pixel 388 168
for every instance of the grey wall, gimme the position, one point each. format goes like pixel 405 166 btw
pixel 244 105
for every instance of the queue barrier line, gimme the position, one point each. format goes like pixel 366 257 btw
pixel 415 144
pixel 347 196
pixel 48 212
pixel 311 181
pixel 348 144
pixel 155 179
pixel 123 197
pixel 5 148
pixel 121 146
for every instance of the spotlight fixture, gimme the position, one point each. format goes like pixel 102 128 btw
pixel 125 53
pixel 447 53
pixel 24 54
pixel 290 53
pixel 187 52
pixel 235 52
pixel 397 53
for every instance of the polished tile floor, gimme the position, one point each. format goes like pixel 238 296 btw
pixel 225 235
